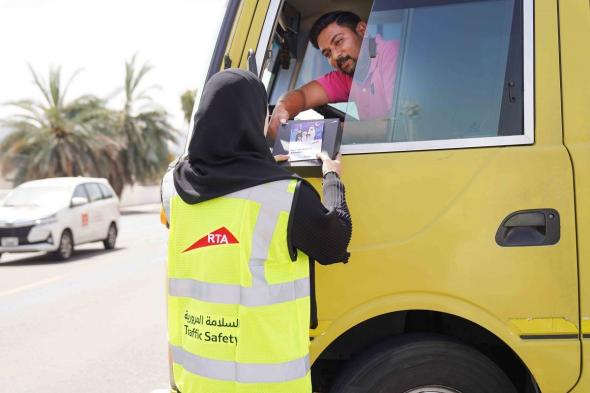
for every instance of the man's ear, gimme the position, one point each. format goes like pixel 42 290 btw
pixel 361 28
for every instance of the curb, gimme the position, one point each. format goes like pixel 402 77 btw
pixel 149 208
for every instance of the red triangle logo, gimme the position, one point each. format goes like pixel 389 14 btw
pixel 216 238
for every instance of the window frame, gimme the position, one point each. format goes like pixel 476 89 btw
pixel 265 39
pixel 527 138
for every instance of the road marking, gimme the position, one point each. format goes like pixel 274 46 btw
pixel 29 286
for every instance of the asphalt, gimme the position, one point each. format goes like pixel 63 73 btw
pixel 95 323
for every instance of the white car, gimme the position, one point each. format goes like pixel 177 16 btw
pixel 55 214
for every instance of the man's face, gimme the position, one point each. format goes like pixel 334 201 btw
pixel 341 45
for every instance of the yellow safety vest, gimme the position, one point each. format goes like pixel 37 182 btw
pixel 238 305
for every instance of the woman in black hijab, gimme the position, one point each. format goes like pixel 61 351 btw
pixel 228 153
pixel 228 150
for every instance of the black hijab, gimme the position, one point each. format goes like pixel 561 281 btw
pixel 228 151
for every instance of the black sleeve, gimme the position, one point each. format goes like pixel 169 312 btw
pixel 322 231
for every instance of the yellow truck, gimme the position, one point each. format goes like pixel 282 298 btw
pixel 470 254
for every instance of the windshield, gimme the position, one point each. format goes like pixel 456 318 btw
pixel 38 196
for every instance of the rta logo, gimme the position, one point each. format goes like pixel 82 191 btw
pixel 216 238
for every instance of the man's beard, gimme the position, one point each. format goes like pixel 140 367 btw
pixel 343 59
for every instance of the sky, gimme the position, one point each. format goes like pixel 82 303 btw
pixel 175 36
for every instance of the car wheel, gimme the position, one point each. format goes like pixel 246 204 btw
pixel 422 364
pixel 109 242
pixel 66 246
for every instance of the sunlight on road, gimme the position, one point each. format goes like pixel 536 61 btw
pixel 29 286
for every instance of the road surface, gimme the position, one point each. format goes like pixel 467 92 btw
pixel 95 323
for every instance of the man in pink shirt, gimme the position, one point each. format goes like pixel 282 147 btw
pixel 339 36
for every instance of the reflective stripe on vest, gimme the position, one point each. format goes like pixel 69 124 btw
pixel 272 200
pixel 241 372
pixel 261 295
pixel 273 197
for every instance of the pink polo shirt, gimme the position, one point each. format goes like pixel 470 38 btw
pixel 373 96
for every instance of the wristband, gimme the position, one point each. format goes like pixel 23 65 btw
pixel 331 171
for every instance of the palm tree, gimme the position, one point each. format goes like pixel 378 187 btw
pixel 142 128
pixel 187 101
pixel 55 137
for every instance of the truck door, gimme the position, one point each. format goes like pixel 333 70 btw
pixel 574 25
pixel 461 192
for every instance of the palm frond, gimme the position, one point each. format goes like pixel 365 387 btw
pixel 67 86
pixel 55 86
pixel 40 83
pixel 143 71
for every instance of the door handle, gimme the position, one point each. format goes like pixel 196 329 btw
pixel 526 219
pixel 536 227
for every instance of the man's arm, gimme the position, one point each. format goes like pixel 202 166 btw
pixel 295 101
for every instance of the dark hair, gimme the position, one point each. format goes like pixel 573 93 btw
pixel 342 18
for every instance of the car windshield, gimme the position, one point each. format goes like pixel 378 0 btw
pixel 38 196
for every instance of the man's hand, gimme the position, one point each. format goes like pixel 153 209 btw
pixel 329 165
pixel 294 102
pixel 279 115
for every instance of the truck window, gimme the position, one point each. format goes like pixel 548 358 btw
pixel 432 74
pixel 277 77
pixel 282 54
pixel 447 72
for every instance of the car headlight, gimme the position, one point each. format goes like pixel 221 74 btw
pixel 47 220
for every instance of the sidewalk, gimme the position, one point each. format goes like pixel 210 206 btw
pixel 140 195
pixel 139 200
pixel 136 199
pixel 147 208
pixel 3 193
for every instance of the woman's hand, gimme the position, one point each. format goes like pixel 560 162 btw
pixel 329 165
